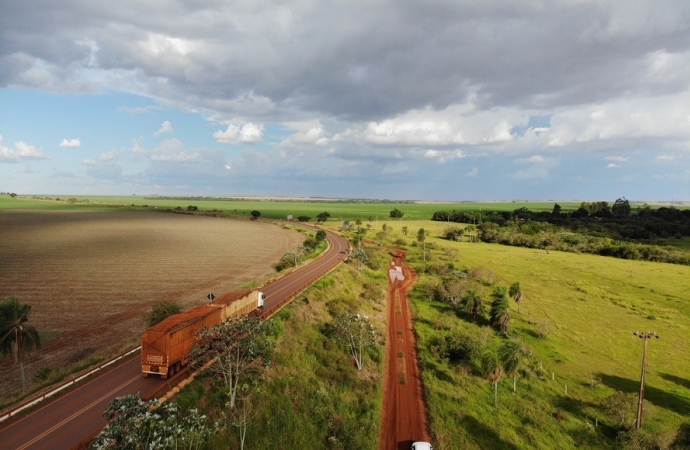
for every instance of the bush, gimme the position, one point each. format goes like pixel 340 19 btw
pixel 161 311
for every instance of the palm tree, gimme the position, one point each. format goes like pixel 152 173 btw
pixel 421 238
pixel 473 303
pixel 500 311
pixel 510 355
pixel 16 337
pixel 492 370
pixel 471 230
pixel 516 293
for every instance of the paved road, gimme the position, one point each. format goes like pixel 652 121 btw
pixel 64 422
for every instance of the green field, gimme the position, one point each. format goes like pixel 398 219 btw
pixel 591 305
pixel 280 209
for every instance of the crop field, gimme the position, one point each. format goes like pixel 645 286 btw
pixel 280 209
pixel 591 306
pixel 90 276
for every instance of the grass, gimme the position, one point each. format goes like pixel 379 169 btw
pixel 277 209
pixel 313 396
pixel 592 304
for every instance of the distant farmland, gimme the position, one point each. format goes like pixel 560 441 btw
pixel 91 275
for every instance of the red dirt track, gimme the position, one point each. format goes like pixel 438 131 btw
pixel 404 416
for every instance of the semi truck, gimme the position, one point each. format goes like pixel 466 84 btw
pixel 165 347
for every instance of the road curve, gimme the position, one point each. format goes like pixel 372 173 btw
pixel 73 417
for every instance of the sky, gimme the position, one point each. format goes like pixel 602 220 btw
pixel 454 100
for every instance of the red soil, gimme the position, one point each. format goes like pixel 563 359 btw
pixel 404 415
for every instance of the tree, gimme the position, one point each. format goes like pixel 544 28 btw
pixel 516 293
pixel 238 348
pixel 471 229
pixel 404 230
pixel 242 415
pixel 286 261
pixel 360 256
pixel 492 370
pixel 355 333
pixel 510 355
pixel 17 339
pixel 322 217
pixel 421 238
pixel 453 233
pixel 454 288
pixel 137 424
pixel 396 214
pixel 161 311
pixel 304 218
pixel 320 235
pixel 255 214
pixel 472 303
pixel 499 316
pixel 357 240
pixel 621 208
pixel 13 195
pixel 556 210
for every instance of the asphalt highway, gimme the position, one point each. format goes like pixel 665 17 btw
pixel 73 417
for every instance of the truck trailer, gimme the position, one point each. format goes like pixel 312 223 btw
pixel 165 347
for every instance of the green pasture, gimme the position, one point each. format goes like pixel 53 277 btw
pixel 277 209
pixel 591 305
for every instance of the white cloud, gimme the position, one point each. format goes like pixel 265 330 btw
pixel 240 134
pixel 536 159
pixel 665 176
pixel 138 148
pixel 71 143
pixel 617 158
pixel 22 151
pixel 472 173
pixel 665 158
pixel 443 156
pixel 540 167
pixel 109 156
pixel 310 132
pixel 173 150
pixel 612 166
pixel 666 119
pixel 166 128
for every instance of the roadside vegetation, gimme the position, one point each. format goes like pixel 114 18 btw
pixel 311 394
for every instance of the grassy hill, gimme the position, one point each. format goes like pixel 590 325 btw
pixel 588 307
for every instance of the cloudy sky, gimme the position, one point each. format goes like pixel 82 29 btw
pixel 399 99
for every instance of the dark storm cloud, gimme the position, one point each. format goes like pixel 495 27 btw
pixel 349 60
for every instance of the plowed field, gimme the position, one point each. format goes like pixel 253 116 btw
pixel 91 276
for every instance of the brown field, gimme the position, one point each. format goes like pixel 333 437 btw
pixel 91 276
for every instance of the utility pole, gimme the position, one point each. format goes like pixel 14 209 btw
pixel 645 336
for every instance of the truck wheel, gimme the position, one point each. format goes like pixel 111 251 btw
pixel 178 367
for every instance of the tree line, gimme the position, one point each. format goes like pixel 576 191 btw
pixel 595 227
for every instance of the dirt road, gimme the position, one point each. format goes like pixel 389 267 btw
pixel 404 415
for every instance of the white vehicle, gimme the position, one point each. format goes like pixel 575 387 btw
pixel 422 446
